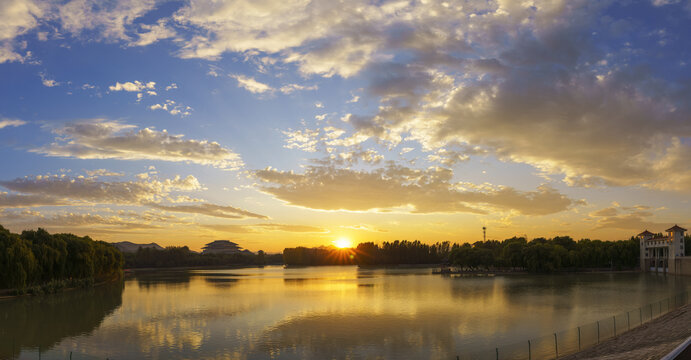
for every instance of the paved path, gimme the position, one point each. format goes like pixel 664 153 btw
pixel 652 340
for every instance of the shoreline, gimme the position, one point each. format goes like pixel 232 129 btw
pixel 651 341
pixel 4 296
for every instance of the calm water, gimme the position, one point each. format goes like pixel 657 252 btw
pixel 314 313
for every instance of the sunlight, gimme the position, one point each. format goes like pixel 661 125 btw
pixel 343 242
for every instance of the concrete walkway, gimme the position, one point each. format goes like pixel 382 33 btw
pixel 652 340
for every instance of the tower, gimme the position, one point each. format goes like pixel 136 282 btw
pixel 642 238
pixel 484 234
pixel 676 238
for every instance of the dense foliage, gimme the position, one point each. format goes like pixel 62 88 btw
pixel 181 256
pixel 544 255
pixel 538 255
pixel 389 253
pixel 302 256
pixel 402 252
pixel 36 257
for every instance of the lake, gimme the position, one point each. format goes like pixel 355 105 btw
pixel 315 313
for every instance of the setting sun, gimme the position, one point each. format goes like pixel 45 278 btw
pixel 343 243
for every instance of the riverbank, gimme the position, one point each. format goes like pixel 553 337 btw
pixel 55 287
pixel 652 340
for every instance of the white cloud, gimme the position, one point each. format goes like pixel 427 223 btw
pixel 173 108
pixel 17 17
pixel 108 20
pixel 63 189
pixel 4 122
pixel 136 86
pixel 47 82
pixel 156 32
pixel 305 140
pixel 410 190
pixel 291 88
pixel 171 86
pixel 251 85
pixel 103 172
pixel 354 99
pixel 101 139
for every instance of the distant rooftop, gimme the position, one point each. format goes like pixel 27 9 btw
pixel 221 247
pixel 676 228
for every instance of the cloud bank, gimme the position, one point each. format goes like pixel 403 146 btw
pixel 101 139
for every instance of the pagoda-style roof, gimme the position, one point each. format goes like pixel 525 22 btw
pixel 676 228
pixel 646 233
pixel 221 243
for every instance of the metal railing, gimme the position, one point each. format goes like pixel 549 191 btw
pixel 573 340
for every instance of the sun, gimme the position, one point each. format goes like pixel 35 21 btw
pixel 342 243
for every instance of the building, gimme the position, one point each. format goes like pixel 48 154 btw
pixel 223 247
pixel 664 253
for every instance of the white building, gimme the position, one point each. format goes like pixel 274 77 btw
pixel 662 253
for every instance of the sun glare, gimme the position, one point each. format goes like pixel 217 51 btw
pixel 343 243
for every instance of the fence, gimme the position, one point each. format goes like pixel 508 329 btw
pixel 570 341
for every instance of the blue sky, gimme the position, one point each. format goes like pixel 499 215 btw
pixel 278 123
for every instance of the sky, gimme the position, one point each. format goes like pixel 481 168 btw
pixel 278 123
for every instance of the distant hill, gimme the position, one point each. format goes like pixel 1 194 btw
pixel 130 247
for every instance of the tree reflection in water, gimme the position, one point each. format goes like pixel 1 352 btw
pixel 43 321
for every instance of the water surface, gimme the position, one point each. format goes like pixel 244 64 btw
pixel 315 313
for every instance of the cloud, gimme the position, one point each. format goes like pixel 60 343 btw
pixel 107 21
pixel 103 172
pixel 610 211
pixel 136 86
pixel 101 139
pixel 48 82
pixel 363 227
pixel 4 122
pixel 305 140
pixel 17 17
pixel 251 85
pixel 61 189
pixel 507 75
pixel 20 201
pixel 257 228
pixel 173 108
pixel 291 88
pixel 156 32
pixel 80 219
pixel 221 211
pixel 630 219
pixel 121 220
pixel 397 187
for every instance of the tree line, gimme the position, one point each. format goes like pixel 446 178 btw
pixel 546 255
pixel 41 261
pixel 182 256
pixel 369 253
pixel 516 253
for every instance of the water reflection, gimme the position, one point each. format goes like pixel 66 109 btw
pixel 346 312
pixel 43 321
pixel 169 279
